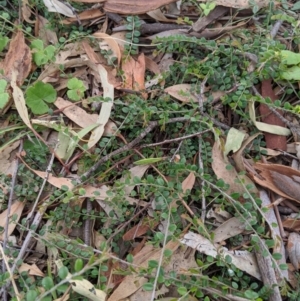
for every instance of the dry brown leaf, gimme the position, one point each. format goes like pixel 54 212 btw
pixel 132 283
pixel 188 182
pixel 43 32
pixel 280 179
pixel 111 42
pixel 293 249
pixel 134 73
pixel 85 15
pixel 26 12
pixel 140 229
pixel 229 176
pixel 159 16
pixel 291 224
pixel 182 92
pixel 81 117
pixel 57 182
pixel 7 162
pixel 16 211
pixel 17 58
pixel 230 228
pixel 134 7
pixel 32 269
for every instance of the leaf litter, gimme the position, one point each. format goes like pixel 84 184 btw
pixel 244 182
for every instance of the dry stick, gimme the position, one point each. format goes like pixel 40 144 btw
pixel 200 102
pixel 37 219
pixel 265 265
pixel 48 170
pixel 87 224
pixel 175 139
pixel 128 222
pixel 11 276
pixel 11 193
pixel 130 145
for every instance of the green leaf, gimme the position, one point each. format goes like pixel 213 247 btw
pixel 63 272
pixel 182 290
pixel 77 89
pixel 3 42
pixel 283 266
pixel 37 95
pixel 250 294
pixel 292 73
pixel 277 256
pixel 148 286
pixel 31 295
pixel 4 97
pixel 148 161
pixel 37 44
pixel 289 57
pixel 296 6
pixel 234 141
pixel 78 265
pixel 47 283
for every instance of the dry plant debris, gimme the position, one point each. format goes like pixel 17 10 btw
pixel 150 150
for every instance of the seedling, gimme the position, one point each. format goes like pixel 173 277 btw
pixel 77 89
pixel 41 55
pixel 37 96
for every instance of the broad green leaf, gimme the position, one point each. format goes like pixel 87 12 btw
pixel 234 141
pixel 47 283
pixel 37 95
pixel 4 97
pixel 292 73
pixel 37 44
pixel 296 6
pixel 3 42
pixel 290 58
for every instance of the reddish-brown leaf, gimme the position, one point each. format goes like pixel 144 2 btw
pixel 272 141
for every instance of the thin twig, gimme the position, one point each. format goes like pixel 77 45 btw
pixel 175 139
pixel 48 170
pixel 11 276
pixel 11 193
pixel 128 222
pixel 200 97
pixel 87 224
pixel 161 256
pixel 128 146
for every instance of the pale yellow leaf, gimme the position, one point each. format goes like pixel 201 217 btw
pixel 108 92
pixel 19 99
pixel 264 127
pixel 234 140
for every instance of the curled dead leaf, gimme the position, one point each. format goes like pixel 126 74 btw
pixel 281 179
